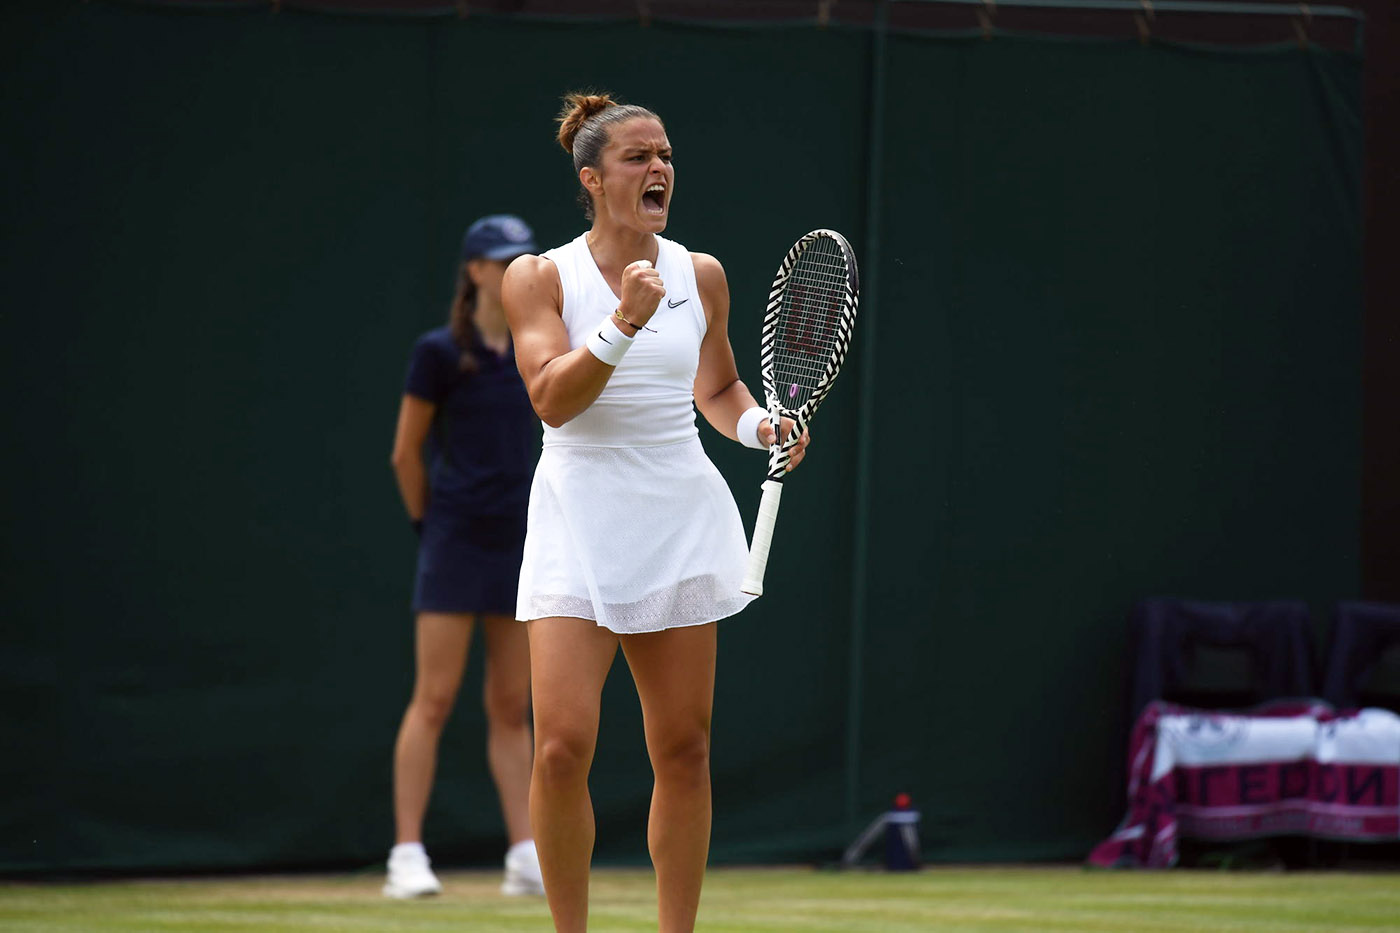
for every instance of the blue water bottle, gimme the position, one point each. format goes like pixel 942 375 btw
pixel 902 852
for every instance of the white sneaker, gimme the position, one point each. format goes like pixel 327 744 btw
pixel 409 873
pixel 523 870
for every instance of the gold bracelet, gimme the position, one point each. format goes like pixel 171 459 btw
pixel 617 313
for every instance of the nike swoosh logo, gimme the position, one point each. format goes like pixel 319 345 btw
pixel 604 339
pixel 676 304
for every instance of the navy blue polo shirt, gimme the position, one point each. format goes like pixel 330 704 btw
pixel 485 436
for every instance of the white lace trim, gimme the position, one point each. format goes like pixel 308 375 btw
pixel 695 601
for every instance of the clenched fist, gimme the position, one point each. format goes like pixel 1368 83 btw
pixel 642 290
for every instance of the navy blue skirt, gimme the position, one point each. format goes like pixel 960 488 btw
pixel 469 563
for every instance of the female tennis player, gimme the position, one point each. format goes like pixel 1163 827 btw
pixel 634 539
pixel 464 402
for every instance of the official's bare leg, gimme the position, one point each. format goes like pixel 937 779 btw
pixel 510 747
pixel 441 655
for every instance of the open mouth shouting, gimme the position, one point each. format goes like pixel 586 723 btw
pixel 654 199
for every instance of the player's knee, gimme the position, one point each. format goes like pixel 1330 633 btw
pixel 562 759
pixel 683 757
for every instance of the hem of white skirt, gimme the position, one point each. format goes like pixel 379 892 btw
pixel 691 623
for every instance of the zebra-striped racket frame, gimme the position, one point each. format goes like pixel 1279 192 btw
pixel 779 454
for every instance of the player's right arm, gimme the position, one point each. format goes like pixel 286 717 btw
pixel 562 382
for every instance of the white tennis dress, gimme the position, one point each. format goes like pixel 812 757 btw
pixel 630 523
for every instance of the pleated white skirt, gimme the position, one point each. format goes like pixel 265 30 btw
pixel 637 539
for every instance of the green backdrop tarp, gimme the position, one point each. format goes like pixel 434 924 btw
pixel 1117 354
pixel 1134 273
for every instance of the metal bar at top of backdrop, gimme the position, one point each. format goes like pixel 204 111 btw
pixel 1211 7
pixel 818 10
pixel 1225 22
pixel 1216 22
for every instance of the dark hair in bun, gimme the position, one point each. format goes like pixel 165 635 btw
pixel 585 125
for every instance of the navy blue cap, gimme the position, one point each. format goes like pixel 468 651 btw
pixel 499 236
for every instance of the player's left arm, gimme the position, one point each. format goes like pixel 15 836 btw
pixel 720 395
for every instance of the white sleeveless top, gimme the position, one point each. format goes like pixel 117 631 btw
pixel 668 549
pixel 650 399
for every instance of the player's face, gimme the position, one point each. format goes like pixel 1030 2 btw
pixel 636 179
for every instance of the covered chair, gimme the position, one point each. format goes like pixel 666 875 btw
pixel 1364 642
pixel 1181 647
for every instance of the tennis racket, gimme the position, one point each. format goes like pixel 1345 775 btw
pixel 806 333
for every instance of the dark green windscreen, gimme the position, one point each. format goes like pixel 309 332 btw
pixel 1117 354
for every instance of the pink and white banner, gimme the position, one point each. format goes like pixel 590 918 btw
pixel 1283 769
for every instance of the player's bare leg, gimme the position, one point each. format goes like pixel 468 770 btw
pixel 569 661
pixel 675 675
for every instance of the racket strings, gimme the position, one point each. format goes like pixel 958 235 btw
pixel 809 321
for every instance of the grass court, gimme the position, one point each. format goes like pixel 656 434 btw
pixel 736 900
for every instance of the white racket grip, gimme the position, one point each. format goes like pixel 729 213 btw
pixel 762 537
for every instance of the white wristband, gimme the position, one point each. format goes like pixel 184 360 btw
pixel 747 430
pixel 608 343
